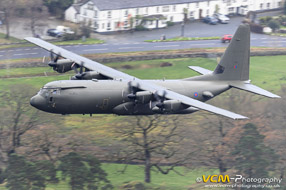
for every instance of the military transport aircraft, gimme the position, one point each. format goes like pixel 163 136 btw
pixel 98 89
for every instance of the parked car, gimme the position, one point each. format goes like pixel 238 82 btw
pixel 64 29
pixel 210 20
pixel 221 18
pixel 226 38
pixel 54 33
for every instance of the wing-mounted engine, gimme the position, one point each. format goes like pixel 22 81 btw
pixel 137 96
pixel 60 65
pixel 86 75
pixel 161 105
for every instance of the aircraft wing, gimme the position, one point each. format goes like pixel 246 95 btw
pixel 252 88
pixel 87 63
pixel 200 70
pixel 141 84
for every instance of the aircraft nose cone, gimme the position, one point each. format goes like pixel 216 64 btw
pixel 37 102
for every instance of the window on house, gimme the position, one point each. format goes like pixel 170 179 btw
pixel 279 4
pixel 147 10
pixel 261 5
pixel 174 8
pixel 165 8
pixel 90 6
pixel 268 5
pixel 192 14
pixel 208 3
pixel 125 23
pixel 208 12
pixel 95 13
pixel 108 26
pixel 197 4
pixel 158 9
pixel 103 26
pixel 109 14
pixel 171 18
pixel 126 13
pixel 137 11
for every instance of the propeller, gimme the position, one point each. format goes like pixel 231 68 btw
pixel 79 74
pixel 53 60
pixel 133 89
pixel 160 99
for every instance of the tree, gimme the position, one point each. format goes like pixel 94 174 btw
pixel 221 134
pixel 58 7
pixel 22 174
pixel 276 134
pixel 35 11
pixel 253 158
pixel 17 117
pixel 274 25
pixel 284 8
pixel 83 172
pixel 154 141
pixel 7 7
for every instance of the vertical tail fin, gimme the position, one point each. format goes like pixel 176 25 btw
pixel 234 64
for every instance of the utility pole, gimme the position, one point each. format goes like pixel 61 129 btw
pixel 182 29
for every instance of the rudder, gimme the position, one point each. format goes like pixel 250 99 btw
pixel 234 64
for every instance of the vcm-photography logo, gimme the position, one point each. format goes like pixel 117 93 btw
pixel 236 179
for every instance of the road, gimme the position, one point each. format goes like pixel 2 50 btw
pixel 34 52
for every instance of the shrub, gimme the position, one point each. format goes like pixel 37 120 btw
pixel 274 25
pixel 140 28
pixel 68 37
pixel 170 23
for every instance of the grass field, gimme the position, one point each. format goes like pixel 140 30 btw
pixel 172 181
pixel 266 72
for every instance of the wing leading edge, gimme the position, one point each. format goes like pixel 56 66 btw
pixel 143 85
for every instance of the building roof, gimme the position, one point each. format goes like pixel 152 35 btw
pixel 125 4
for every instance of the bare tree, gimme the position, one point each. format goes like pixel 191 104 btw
pixel 7 7
pixel 35 11
pixel 154 141
pixel 51 142
pixel 221 134
pixel 276 134
pixel 17 117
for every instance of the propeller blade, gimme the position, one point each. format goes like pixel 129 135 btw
pixel 56 59
pixel 81 68
pixel 44 59
pixel 52 56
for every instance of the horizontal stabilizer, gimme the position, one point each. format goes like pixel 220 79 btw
pixel 254 89
pixel 200 70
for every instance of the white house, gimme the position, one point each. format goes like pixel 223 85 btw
pixel 116 15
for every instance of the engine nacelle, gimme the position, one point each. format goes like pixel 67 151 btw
pixel 143 97
pixel 62 65
pixel 169 106
pixel 88 76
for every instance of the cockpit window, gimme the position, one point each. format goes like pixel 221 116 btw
pixel 49 91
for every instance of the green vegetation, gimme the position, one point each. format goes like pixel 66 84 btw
pixel 26 44
pixel 3 40
pixel 172 181
pixel 255 160
pixel 86 41
pixel 184 39
pixel 267 72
